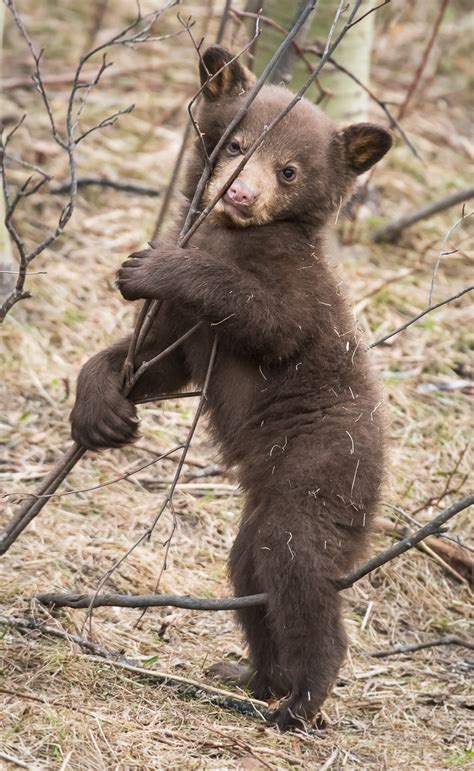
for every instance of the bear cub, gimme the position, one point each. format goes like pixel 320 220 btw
pixel 292 403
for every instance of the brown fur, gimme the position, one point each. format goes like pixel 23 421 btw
pixel 292 403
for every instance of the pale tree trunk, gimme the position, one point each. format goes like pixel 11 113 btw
pixel 7 279
pixel 346 102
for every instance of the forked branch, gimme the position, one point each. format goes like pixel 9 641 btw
pixel 139 31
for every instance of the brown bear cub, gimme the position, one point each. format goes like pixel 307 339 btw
pixel 292 403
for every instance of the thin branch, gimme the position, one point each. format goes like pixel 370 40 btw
pixel 420 316
pixel 165 352
pixel 168 500
pixel 447 640
pixel 443 252
pixel 114 184
pixel 394 122
pixel 433 527
pixel 223 22
pixel 371 10
pixel 173 181
pixel 453 559
pixel 166 397
pixel 135 33
pixel 424 59
pixel 29 624
pixel 302 51
pixel 60 600
pixel 121 478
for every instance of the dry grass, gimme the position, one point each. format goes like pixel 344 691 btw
pixel 60 709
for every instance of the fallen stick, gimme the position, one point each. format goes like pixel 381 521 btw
pixel 115 184
pixel 461 560
pixel 389 233
pixel 64 600
pixel 447 640
pixel 184 686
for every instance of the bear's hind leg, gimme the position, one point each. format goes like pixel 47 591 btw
pixel 304 612
pixel 260 675
pixel 311 650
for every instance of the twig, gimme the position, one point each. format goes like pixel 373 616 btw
pixel 436 499
pixel 394 122
pixel 302 51
pixel 173 181
pixel 443 252
pixel 15 761
pixel 115 184
pixel 223 22
pixel 420 316
pixel 187 687
pixel 424 59
pixel 453 557
pixel 389 233
pixel 197 603
pixel 135 33
pixel 431 528
pixel 168 501
pixel 124 476
pixel 447 640
pixel 29 624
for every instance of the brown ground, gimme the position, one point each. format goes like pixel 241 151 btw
pixel 62 710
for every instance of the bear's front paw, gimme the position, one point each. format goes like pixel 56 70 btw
pixel 136 279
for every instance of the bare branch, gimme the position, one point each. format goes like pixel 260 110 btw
pixel 109 121
pixel 420 316
pixel 59 600
pixel 424 59
pixel 135 33
pixel 196 603
pixel 447 640
pixel 114 184
pixel 168 500
pixel 443 252
pixel 121 478
pixel 431 528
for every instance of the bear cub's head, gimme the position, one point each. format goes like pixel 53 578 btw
pixel 305 167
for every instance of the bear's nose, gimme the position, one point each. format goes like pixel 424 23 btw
pixel 240 193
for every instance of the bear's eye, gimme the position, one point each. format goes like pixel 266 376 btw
pixel 234 147
pixel 288 174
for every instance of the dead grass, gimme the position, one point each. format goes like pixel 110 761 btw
pixel 60 709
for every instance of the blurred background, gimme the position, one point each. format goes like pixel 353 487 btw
pixel 408 66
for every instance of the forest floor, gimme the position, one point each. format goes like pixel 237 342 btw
pixel 62 709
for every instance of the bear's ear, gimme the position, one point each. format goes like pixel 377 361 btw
pixel 234 79
pixel 365 144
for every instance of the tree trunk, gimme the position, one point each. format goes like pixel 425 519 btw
pixel 345 102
